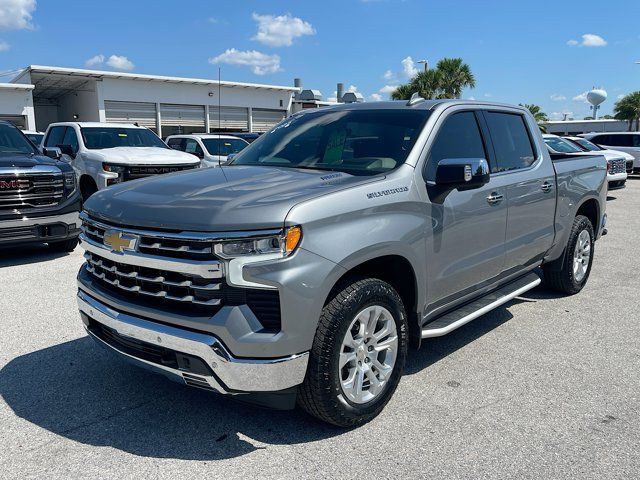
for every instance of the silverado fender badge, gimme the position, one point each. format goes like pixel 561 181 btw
pixel 391 191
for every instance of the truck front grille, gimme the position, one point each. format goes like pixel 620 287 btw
pixel 617 165
pixel 170 271
pixel 141 171
pixel 30 191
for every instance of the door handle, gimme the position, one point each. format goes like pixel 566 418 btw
pixel 494 198
pixel 547 187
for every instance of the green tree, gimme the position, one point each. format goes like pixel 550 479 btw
pixel 447 80
pixel 455 75
pixel 537 113
pixel 628 108
pixel 403 92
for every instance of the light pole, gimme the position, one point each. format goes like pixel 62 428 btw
pixel 426 64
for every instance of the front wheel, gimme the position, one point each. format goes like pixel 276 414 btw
pixel 358 354
pixel 570 272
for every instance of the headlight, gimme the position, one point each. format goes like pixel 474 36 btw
pixel 119 169
pixel 69 182
pixel 273 246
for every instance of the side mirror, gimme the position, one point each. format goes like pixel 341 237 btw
pixel 67 150
pixel 230 157
pixel 462 172
pixel 52 152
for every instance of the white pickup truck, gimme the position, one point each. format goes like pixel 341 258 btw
pixel 104 154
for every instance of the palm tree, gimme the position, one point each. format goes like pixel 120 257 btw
pixel 427 84
pixel 537 112
pixel 403 92
pixel 628 108
pixel 447 80
pixel 539 116
pixel 454 76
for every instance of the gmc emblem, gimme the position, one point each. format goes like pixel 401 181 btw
pixel 14 184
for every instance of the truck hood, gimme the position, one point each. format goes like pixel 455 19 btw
pixel 216 199
pixel 141 156
pixel 26 161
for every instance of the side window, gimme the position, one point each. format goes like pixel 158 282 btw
pixel 175 143
pixel 458 137
pixel 511 141
pixel 600 139
pixel 191 146
pixel 55 137
pixel 70 138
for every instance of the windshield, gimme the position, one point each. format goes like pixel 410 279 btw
pixel 12 141
pixel 223 146
pixel 561 145
pixel 96 138
pixel 584 143
pixel 35 138
pixel 358 142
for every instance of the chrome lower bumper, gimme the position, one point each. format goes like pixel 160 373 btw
pixel 26 229
pixel 229 375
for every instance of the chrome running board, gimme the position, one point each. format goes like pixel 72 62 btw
pixel 463 315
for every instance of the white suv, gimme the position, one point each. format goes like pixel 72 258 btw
pixel 627 142
pixel 214 149
pixel 103 154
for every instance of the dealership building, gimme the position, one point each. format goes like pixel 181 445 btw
pixel 41 95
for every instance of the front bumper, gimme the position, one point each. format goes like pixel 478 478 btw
pixel 40 229
pixel 193 358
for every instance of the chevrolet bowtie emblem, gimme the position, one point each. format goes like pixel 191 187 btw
pixel 119 242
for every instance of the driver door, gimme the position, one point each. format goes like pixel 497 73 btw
pixel 466 242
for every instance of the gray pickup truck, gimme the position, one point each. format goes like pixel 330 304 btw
pixel 304 269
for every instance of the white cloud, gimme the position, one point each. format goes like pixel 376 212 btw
pixel 213 20
pixel 16 14
pixel 120 62
pixel 260 63
pixel 588 40
pixel 95 60
pixel 488 95
pixel 557 97
pixel 471 98
pixel 408 67
pixel 352 89
pixel 333 97
pixel 388 75
pixel 582 97
pixel 620 96
pixel 388 89
pixel 375 97
pixel 279 31
pixel 4 46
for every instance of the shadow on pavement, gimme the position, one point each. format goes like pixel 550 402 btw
pixel 78 391
pixel 14 256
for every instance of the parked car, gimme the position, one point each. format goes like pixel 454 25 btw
pixel 616 162
pixel 105 154
pixel 35 137
pixel 39 201
pixel 212 149
pixel 627 142
pixel 303 270
pixel 588 146
pixel 250 137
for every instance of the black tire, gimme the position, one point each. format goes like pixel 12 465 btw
pixel 321 393
pixel 559 274
pixel 64 246
pixel 87 188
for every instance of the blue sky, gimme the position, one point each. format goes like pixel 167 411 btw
pixel 548 53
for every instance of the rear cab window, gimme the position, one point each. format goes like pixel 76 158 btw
pixel 55 136
pixel 512 142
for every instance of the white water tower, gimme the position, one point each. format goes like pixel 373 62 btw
pixel 595 97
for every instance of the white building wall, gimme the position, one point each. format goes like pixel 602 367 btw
pixel 18 102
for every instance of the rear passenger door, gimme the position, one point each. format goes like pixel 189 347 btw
pixel 529 181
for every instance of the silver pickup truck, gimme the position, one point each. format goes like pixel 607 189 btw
pixel 302 271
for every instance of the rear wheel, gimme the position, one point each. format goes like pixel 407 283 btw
pixel 87 188
pixel 570 273
pixel 358 354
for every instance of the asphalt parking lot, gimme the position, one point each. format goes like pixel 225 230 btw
pixel 547 387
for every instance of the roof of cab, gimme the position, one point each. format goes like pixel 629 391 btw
pixel 97 124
